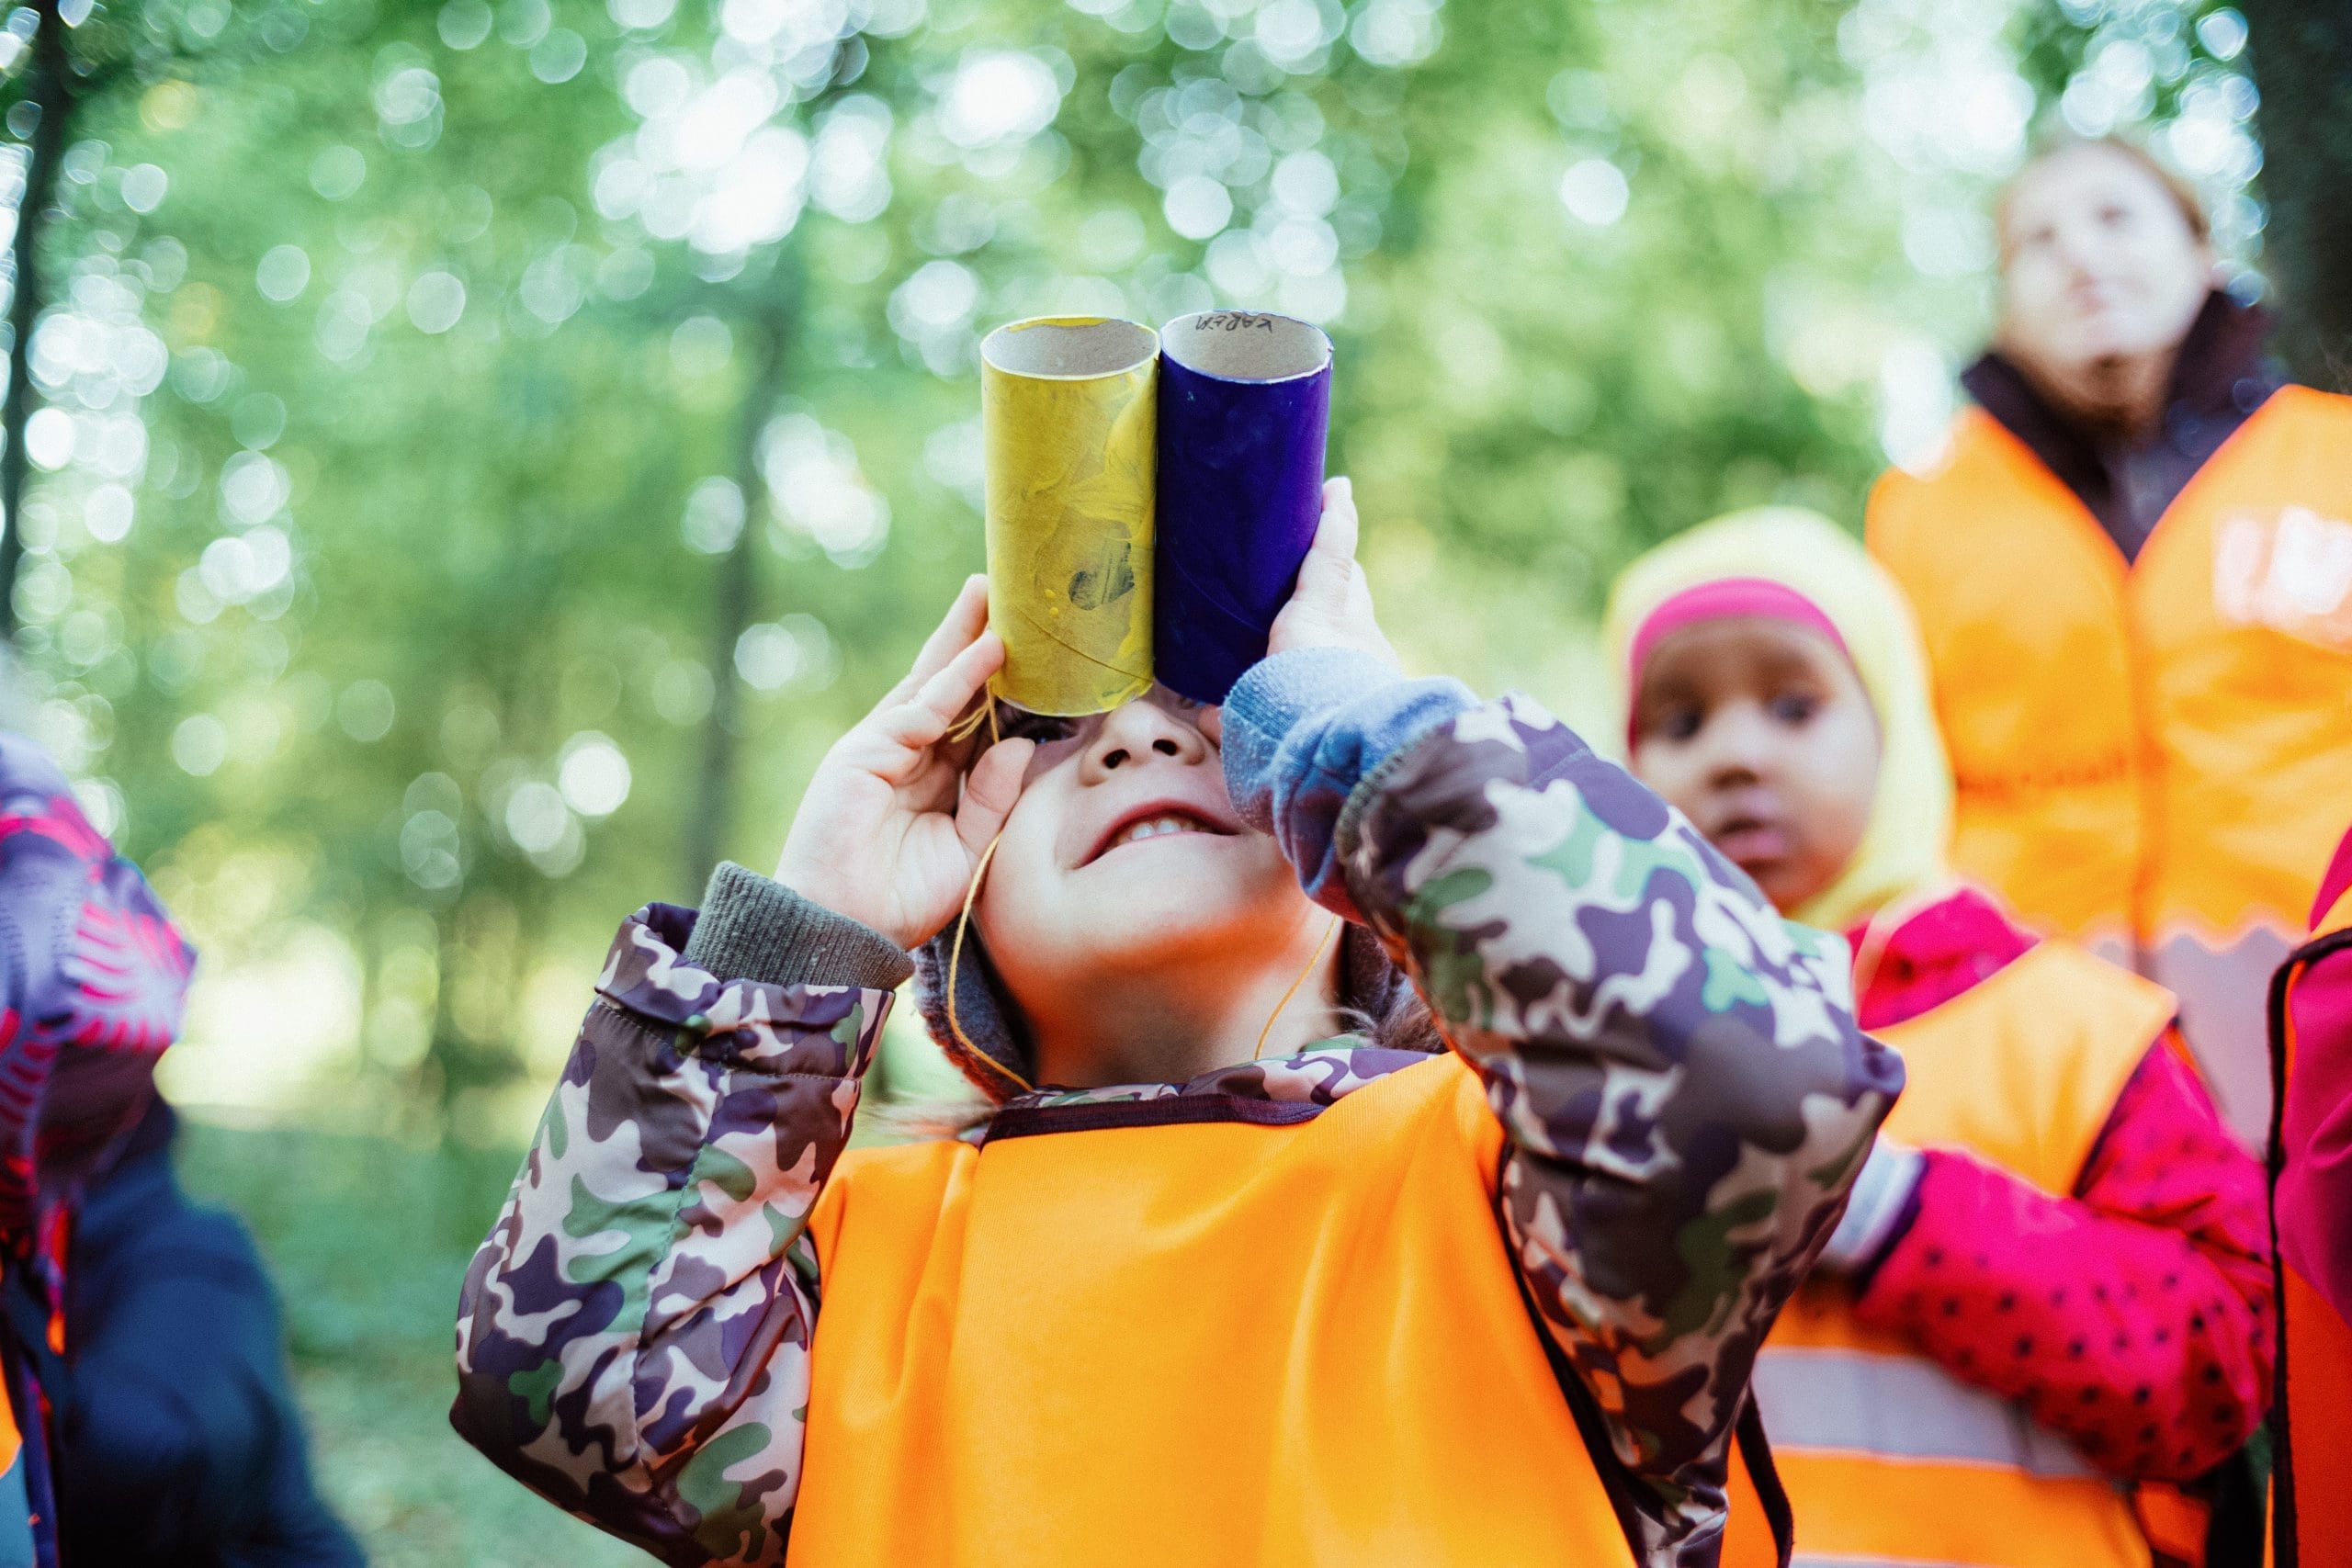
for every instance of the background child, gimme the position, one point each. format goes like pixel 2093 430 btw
pixel 2053 1272
pixel 2311 1161
pixel 166 1431
pixel 1182 1304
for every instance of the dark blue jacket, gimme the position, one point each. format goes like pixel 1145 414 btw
pixel 177 1440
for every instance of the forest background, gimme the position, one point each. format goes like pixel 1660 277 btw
pixel 471 458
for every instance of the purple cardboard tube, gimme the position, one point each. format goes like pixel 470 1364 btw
pixel 1245 402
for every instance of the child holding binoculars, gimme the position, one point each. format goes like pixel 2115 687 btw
pixel 1405 1129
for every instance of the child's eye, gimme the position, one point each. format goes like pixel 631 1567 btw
pixel 1044 728
pixel 1795 708
pixel 1676 723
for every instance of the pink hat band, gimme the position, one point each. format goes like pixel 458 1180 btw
pixel 1723 599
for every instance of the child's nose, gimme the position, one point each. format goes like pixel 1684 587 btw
pixel 1742 745
pixel 1140 729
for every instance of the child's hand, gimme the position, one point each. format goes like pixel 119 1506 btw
pixel 884 835
pixel 1331 606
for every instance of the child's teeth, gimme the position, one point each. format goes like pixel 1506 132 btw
pixel 1152 827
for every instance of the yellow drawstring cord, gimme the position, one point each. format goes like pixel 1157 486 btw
pixel 955 963
pixel 1312 960
pixel 964 728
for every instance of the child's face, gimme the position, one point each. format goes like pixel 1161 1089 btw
pixel 1758 731
pixel 1124 855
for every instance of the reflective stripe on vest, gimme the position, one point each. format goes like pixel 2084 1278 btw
pixel 2312 1421
pixel 1886 1457
pixel 2158 752
pixel 1203 1343
pixel 1901 1406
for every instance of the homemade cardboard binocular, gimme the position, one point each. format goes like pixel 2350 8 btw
pixel 1151 496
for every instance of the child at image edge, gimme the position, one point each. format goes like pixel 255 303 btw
pixel 1466 1262
pixel 2052 1288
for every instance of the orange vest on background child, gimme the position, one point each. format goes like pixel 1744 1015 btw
pixel 16 1484
pixel 2153 757
pixel 2311 1506
pixel 1388 1400
pixel 1889 1460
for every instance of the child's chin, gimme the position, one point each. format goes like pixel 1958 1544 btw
pixel 1217 893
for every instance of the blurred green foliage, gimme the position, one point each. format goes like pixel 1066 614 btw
pixel 484 453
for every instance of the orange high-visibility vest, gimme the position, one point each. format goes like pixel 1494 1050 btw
pixel 15 1501
pixel 2153 759
pixel 1887 1458
pixel 2312 1423
pixel 1203 1344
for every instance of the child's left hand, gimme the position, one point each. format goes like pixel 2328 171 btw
pixel 1331 606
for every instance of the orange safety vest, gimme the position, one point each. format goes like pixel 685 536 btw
pixel 16 1501
pixel 2312 1504
pixel 1887 1458
pixel 2153 757
pixel 1206 1343
pixel 26 1533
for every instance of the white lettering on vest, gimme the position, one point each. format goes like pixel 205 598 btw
pixel 2291 572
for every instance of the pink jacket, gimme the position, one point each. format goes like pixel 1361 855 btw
pixel 2135 1314
pixel 2316 1118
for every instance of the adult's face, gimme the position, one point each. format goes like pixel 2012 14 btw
pixel 2100 265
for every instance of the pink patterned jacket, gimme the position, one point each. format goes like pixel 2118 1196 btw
pixel 2132 1315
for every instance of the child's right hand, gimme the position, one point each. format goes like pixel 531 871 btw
pixel 891 827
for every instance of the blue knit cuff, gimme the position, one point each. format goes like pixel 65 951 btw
pixel 1303 729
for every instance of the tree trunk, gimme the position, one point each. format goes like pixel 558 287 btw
pixel 2301 54
pixel 735 595
pixel 50 88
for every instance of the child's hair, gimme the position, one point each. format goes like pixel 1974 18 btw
pixel 1403 1023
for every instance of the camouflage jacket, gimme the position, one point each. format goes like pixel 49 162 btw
pixel 1684 1095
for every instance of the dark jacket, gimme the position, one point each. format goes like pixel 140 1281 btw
pixel 2223 374
pixel 177 1434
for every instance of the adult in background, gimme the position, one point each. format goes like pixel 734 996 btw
pixel 2132 567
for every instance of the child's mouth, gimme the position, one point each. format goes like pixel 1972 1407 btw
pixel 1163 822
pixel 1749 843
pixel 1156 826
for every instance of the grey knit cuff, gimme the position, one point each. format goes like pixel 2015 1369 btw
pixel 755 928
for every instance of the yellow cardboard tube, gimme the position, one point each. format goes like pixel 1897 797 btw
pixel 1069 423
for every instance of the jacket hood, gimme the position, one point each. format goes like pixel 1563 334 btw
pixel 994 1050
pixel 98 977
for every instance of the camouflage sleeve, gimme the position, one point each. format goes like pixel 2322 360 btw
pixel 1685 1094
pixel 633 1335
